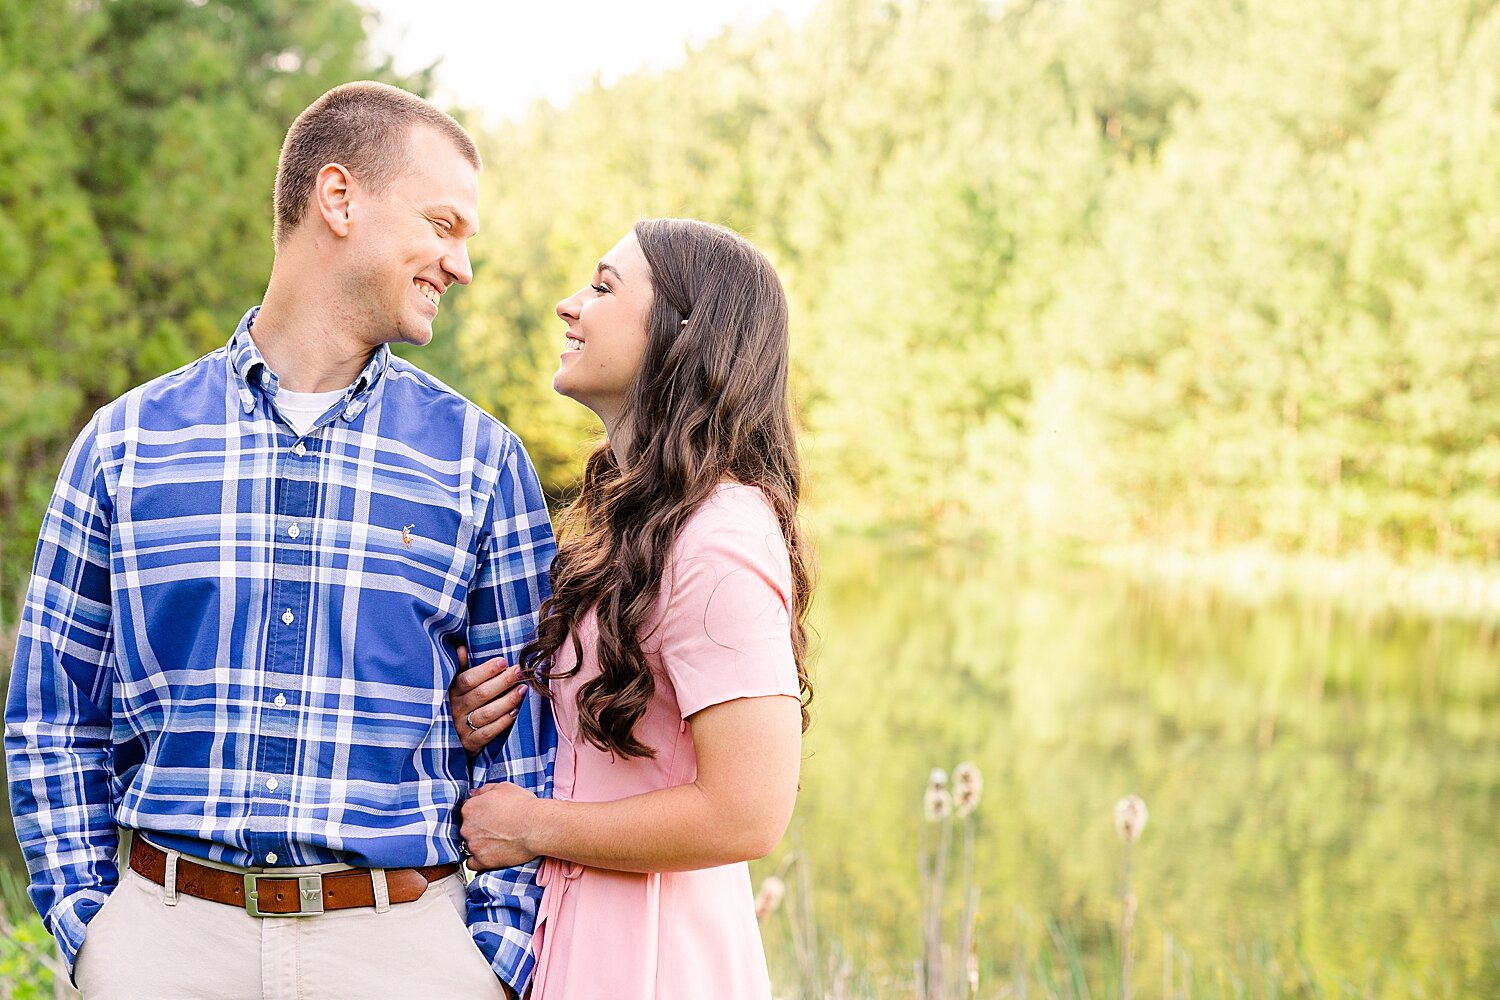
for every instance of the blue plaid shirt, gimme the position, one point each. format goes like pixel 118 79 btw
pixel 240 640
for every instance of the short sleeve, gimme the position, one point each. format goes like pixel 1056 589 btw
pixel 725 630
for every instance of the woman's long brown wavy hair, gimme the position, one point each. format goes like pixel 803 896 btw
pixel 710 404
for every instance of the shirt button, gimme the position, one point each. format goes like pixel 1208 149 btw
pixel 271 783
pixel 294 531
pixel 280 701
pixel 265 380
pixel 300 449
pixel 287 617
pixel 271 858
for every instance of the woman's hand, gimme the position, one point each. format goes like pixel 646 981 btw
pixel 495 820
pixel 749 752
pixel 484 699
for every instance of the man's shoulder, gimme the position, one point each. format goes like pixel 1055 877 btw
pixel 169 395
pixel 443 402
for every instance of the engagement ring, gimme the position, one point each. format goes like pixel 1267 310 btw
pixel 469 721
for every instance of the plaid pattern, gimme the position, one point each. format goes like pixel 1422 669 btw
pixel 241 641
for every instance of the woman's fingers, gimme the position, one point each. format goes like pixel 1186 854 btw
pixel 497 708
pixel 492 699
pixel 477 739
pixel 486 700
pixel 469 678
pixel 487 691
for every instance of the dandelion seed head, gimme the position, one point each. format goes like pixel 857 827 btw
pixel 768 899
pixel 937 804
pixel 1130 818
pixel 968 786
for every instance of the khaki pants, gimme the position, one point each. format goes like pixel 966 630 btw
pixel 140 948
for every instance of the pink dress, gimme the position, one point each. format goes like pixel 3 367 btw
pixel 720 631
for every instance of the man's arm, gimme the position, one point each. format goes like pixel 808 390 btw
pixel 57 719
pixel 510 585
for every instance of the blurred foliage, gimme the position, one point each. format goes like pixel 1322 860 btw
pixel 28 955
pixel 26 952
pixel 1188 271
pixel 138 146
pixel 1195 271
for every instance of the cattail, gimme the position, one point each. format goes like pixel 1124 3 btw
pixel 1130 818
pixel 768 899
pixel 937 804
pixel 968 786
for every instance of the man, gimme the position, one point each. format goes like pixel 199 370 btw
pixel 249 594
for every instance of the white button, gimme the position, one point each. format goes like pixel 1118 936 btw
pixel 265 380
pixel 280 701
pixel 271 783
pixel 294 531
pixel 287 618
pixel 300 450
pixel 271 858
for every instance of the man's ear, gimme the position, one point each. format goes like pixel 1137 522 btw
pixel 333 193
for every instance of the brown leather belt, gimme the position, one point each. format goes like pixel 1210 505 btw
pixel 267 894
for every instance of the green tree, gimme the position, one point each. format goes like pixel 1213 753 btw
pixel 138 146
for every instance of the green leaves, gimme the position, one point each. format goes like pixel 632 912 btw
pixel 1170 270
pixel 1194 272
pixel 138 147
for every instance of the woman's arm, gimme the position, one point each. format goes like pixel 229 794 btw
pixel 749 752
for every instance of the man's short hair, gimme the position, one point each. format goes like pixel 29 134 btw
pixel 364 126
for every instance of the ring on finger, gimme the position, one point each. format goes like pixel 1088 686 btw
pixel 469 721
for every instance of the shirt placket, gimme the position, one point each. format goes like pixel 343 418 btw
pixel 282 687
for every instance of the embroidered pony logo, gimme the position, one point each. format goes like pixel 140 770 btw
pixel 406 538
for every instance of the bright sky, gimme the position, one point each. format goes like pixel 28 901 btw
pixel 498 56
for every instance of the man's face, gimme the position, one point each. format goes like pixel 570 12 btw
pixel 409 244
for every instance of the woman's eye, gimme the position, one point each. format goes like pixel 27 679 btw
pixel 601 289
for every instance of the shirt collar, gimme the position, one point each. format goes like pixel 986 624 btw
pixel 252 373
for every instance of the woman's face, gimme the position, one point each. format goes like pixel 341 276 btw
pixel 606 332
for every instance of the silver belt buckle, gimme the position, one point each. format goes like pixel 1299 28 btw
pixel 309 894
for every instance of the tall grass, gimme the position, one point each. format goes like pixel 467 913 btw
pixel 30 967
pixel 1054 958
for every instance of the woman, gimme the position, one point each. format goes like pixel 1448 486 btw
pixel 673 645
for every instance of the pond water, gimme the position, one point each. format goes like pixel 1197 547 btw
pixel 1323 783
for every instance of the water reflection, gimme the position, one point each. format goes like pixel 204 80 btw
pixel 1323 784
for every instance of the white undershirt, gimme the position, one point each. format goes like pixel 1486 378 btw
pixel 302 409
